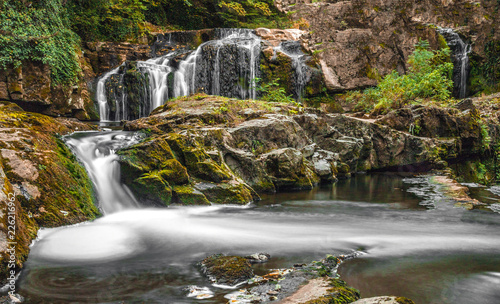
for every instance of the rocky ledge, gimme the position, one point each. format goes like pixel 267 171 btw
pixel 204 149
pixel 40 178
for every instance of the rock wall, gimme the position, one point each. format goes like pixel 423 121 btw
pixel 357 41
pixel 41 178
pixel 221 143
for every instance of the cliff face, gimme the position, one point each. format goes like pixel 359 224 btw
pixel 358 40
pixel 40 177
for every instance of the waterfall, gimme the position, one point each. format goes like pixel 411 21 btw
pixel 226 66
pixel 460 58
pixel 97 153
pixel 101 95
pixel 293 50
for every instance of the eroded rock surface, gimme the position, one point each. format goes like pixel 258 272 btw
pixel 41 177
pixel 225 150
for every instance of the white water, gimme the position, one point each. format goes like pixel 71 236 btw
pixel 294 52
pixel 147 255
pixel 97 152
pixel 186 76
pixel 461 52
pixel 101 95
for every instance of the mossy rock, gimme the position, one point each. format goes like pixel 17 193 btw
pixel 210 171
pixel 187 195
pixel 145 157
pixel 226 193
pixel 227 270
pixel 152 189
pixel 339 293
pixel 174 173
pixel 403 300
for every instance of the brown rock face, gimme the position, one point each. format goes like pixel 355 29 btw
pixel 31 87
pixel 40 178
pixel 356 41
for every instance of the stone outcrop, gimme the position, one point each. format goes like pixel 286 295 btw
pixel 357 41
pixel 31 87
pixel 229 148
pixel 40 177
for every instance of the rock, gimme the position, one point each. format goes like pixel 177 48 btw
pixel 356 42
pixel 41 178
pixel 226 270
pixel 258 257
pixel 293 150
pixel 325 164
pixel 384 300
pixel 288 169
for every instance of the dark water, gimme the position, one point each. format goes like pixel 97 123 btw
pixel 432 253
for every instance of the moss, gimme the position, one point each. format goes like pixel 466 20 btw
pixel 403 300
pixel 228 270
pixel 152 188
pixel 210 171
pixel 229 194
pixel 187 195
pixel 339 293
pixel 174 173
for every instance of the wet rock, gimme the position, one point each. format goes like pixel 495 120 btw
pixel 325 164
pixel 226 270
pixel 258 257
pixel 289 169
pixel 384 300
pixel 41 178
pixel 366 39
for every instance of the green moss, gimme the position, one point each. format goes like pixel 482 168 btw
pixel 152 188
pixel 229 194
pixel 187 195
pixel 339 293
pixel 210 171
pixel 229 270
pixel 174 173
pixel 403 300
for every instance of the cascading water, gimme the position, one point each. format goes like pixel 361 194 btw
pixel 293 50
pixel 97 152
pixel 226 66
pixel 460 58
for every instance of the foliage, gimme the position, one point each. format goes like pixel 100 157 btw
pixel 273 92
pixel 114 20
pixel 429 76
pixel 485 72
pixel 38 32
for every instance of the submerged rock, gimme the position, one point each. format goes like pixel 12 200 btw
pixel 227 270
pixel 384 300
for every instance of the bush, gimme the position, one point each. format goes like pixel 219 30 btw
pixel 273 92
pixel 39 32
pixel 429 76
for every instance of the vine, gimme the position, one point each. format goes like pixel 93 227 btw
pixel 39 32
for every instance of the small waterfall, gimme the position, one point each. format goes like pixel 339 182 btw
pixel 293 50
pixel 226 66
pixel 101 95
pixel 97 152
pixel 460 58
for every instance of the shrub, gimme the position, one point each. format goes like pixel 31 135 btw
pixel 429 76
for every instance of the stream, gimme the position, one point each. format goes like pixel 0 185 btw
pixel 412 240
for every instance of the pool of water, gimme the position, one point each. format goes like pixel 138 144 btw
pixel 414 242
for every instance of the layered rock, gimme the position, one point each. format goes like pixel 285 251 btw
pixel 41 177
pixel 224 144
pixel 31 87
pixel 357 41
